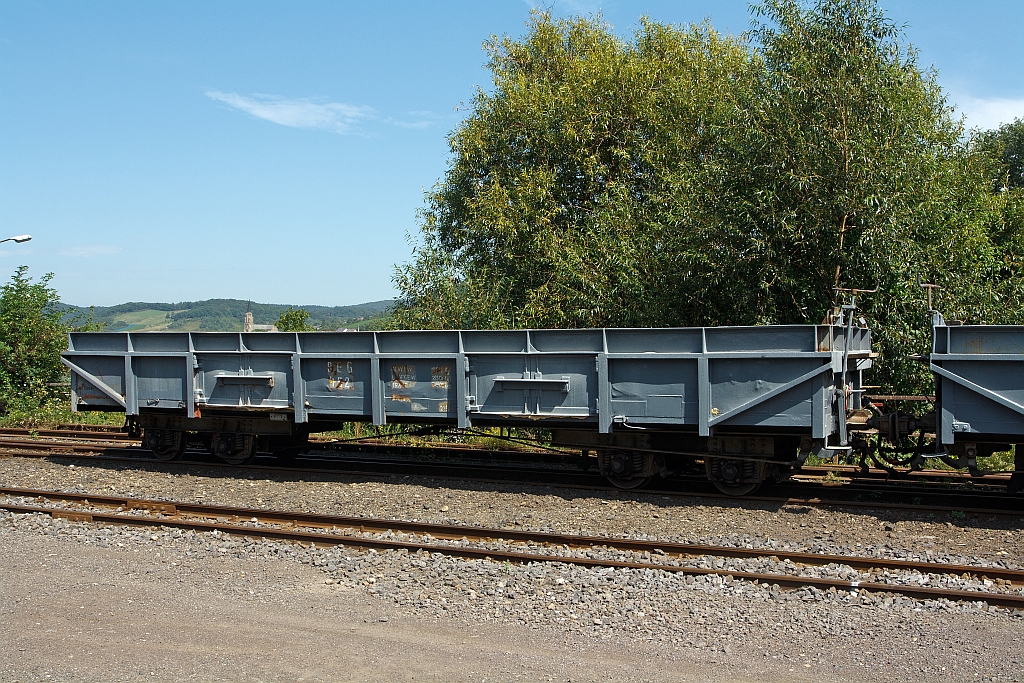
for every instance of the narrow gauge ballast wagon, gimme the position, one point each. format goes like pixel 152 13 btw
pixel 979 392
pixel 744 400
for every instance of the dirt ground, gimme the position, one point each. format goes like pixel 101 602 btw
pixel 87 602
pixel 70 612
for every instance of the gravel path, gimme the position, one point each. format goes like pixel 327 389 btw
pixel 899 534
pixel 706 628
pixel 769 564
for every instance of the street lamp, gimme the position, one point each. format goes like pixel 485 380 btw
pixel 17 238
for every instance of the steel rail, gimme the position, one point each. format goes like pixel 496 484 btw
pixel 329 539
pixel 433 470
pixel 66 426
pixel 81 447
pixel 457 531
pixel 85 434
pixel 856 473
pixel 852 472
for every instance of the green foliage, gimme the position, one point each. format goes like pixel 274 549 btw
pixel 1003 149
pixel 33 332
pixel 226 315
pixel 32 335
pixel 1001 155
pixel 858 177
pixel 36 412
pixel 998 462
pixel 563 197
pixel 294 320
pixel 684 177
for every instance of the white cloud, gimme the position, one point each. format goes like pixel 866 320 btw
pixel 297 113
pixel 582 7
pixel 88 250
pixel 989 113
pixel 417 120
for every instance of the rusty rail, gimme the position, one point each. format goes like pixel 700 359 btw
pixel 99 452
pixel 40 448
pixel 81 434
pixel 177 510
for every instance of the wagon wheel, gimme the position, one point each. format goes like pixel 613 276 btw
pixel 731 476
pixel 625 469
pixel 235 449
pixel 628 482
pixel 166 444
pixel 962 464
pixel 736 489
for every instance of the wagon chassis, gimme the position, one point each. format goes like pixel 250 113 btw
pixel 749 403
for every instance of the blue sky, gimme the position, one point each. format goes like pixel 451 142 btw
pixel 279 151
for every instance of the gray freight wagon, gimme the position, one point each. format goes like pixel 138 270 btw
pixel 744 400
pixel 979 390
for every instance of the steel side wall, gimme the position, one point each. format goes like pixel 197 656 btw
pixel 700 378
pixel 979 382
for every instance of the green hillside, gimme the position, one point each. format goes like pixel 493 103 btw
pixel 225 315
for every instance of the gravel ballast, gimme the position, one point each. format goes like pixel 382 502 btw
pixel 691 627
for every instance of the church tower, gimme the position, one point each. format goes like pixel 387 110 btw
pixel 248 326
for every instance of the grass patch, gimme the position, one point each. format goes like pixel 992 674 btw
pixel 33 413
pixel 998 462
pixel 491 438
pixel 148 320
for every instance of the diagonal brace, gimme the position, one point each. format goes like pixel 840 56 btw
pixel 96 382
pixel 987 393
pixel 769 394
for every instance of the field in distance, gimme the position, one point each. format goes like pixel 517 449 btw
pixel 225 315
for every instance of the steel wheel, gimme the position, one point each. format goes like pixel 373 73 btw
pixel 733 476
pixel 736 489
pixel 628 482
pixel 166 444
pixel 235 449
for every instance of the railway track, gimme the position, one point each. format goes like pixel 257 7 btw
pixel 106 434
pixel 508 545
pixel 838 474
pixel 854 473
pixel 892 496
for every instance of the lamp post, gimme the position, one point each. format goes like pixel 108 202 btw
pixel 17 238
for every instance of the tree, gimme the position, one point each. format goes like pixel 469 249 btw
pixel 1003 149
pixel 853 174
pixel 562 193
pixel 1002 156
pixel 294 320
pixel 684 177
pixel 32 336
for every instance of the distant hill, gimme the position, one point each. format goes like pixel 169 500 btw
pixel 225 315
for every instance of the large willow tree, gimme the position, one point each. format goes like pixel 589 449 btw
pixel 685 177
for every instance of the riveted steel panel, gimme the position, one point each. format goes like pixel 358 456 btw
pixel 534 386
pixel 739 382
pixel 244 380
pixel 693 378
pixel 418 387
pixel 160 381
pixel 654 389
pixel 109 371
pixel 979 381
pixel 338 386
